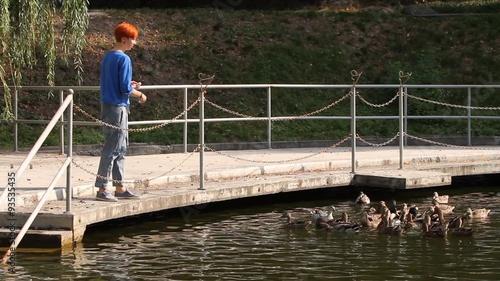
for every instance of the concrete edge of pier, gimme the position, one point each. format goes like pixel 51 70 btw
pixel 374 169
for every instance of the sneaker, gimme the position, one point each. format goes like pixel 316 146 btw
pixel 105 196
pixel 126 195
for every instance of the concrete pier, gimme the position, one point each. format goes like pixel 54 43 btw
pixel 167 181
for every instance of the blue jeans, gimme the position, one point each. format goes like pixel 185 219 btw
pixel 115 145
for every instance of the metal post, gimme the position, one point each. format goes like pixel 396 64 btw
pixel 16 126
pixel 269 115
pixel 401 126
pixel 69 190
pixel 353 129
pixel 202 139
pixel 61 133
pixel 405 113
pixel 469 114
pixel 185 131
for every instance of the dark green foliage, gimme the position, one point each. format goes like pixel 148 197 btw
pixel 251 47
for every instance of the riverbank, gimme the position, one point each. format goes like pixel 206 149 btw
pixel 270 46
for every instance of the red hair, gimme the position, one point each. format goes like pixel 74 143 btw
pixel 126 29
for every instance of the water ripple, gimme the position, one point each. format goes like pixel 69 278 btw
pixel 256 247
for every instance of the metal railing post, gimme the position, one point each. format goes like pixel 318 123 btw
pixel 16 125
pixel 405 113
pixel 69 190
pixel 469 114
pixel 185 129
pixel 354 136
pixel 353 129
pixel 61 133
pixel 202 140
pixel 401 125
pixel 269 115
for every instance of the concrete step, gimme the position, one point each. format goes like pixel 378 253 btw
pixel 48 239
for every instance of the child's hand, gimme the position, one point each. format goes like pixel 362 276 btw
pixel 136 85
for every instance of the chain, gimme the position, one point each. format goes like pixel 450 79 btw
pixel 204 77
pixel 278 118
pixel 139 129
pixel 380 144
pixel 197 149
pixel 137 181
pixel 448 145
pixel 94 174
pixel 317 111
pixel 280 161
pixel 453 105
pixel 378 105
pixel 233 112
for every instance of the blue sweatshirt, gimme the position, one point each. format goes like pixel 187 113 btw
pixel 116 78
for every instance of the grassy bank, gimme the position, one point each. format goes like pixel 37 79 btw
pixel 307 47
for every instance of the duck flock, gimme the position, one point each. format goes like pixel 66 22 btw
pixel 436 219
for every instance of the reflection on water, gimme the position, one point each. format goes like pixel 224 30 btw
pixel 249 243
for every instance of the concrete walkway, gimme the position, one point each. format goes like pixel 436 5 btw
pixel 182 169
pixel 168 181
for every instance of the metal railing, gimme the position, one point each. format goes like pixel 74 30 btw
pixel 402 117
pixel 67 104
pixel 269 118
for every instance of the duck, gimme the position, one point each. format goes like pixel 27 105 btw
pixel 403 212
pixel 462 231
pixel 392 230
pixel 457 221
pixel 408 222
pixel 436 210
pixel 440 232
pixel 477 213
pixel 381 208
pixel 362 199
pixel 385 226
pixel 394 208
pixel 345 227
pixel 457 226
pixel 413 210
pixel 322 223
pixel 336 226
pixel 316 214
pixel 399 209
pixel 290 223
pixel 431 225
pixel 442 199
pixel 370 220
pixel 343 219
pixel 447 209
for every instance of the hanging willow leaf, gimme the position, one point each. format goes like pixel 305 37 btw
pixel 28 31
pixel 75 15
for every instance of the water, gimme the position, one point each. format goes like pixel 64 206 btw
pixel 245 240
